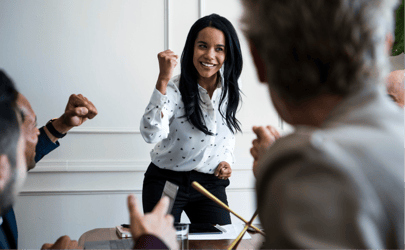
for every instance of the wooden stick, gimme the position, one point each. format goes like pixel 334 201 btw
pixel 236 242
pixel 205 192
pixel 253 217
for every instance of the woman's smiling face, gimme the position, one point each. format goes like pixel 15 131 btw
pixel 209 52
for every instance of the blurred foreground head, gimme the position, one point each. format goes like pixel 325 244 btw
pixel 314 47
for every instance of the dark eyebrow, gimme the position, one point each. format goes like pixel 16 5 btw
pixel 36 124
pixel 219 45
pixel 392 97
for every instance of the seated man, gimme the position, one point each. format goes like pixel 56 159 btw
pixel 12 161
pixel 39 143
pixel 338 180
pixel 395 86
pixel 147 233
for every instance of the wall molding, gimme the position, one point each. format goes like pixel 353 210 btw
pixel 68 166
pixel 104 130
pixel 79 192
pixel 108 192
pixel 166 24
pixel 115 130
pixel 49 166
pixel 201 8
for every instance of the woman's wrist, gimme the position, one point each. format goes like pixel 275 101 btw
pixel 161 85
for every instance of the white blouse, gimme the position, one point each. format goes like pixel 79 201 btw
pixel 180 146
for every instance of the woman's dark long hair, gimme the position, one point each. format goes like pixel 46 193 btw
pixel 232 70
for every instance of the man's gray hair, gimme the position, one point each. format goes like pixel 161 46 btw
pixel 320 46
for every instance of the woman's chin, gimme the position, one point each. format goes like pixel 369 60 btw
pixel 207 75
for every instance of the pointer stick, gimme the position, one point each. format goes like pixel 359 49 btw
pixel 236 242
pixel 205 192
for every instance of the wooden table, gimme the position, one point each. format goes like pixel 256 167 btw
pixel 109 234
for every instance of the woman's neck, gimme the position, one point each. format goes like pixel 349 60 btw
pixel 209 84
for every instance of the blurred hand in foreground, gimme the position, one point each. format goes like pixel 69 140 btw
pixel 156 223
pixel 266 136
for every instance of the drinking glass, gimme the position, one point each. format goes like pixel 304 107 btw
pixel 182 235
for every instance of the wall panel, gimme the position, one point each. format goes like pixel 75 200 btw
pixel 103 49
pixel 57 207
pixel 107 148
pixel 183 14
pixel 44 218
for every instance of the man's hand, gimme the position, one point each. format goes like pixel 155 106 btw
pixel 266 136
pixel 77 111
pixel 63 242
pixel 156 223
pixel 223 170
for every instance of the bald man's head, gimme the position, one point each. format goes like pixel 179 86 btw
pixel 395 86
pixel 29 130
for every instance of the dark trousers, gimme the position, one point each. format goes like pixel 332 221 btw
pixel 198 207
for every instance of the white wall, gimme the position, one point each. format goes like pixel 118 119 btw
pixel 397 62
pixel 106 50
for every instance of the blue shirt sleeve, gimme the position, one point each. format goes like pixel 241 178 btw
pixel 44 145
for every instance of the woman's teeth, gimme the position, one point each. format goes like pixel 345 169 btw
pixel 207 65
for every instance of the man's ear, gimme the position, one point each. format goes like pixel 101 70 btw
pixel 5 171
pixel 259 63
pixel 389 42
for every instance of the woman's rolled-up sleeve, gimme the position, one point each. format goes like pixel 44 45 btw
pixel 154 127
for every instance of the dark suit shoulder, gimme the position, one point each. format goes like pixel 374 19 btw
pixel 8 231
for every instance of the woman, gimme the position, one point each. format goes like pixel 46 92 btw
pixel 192 119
